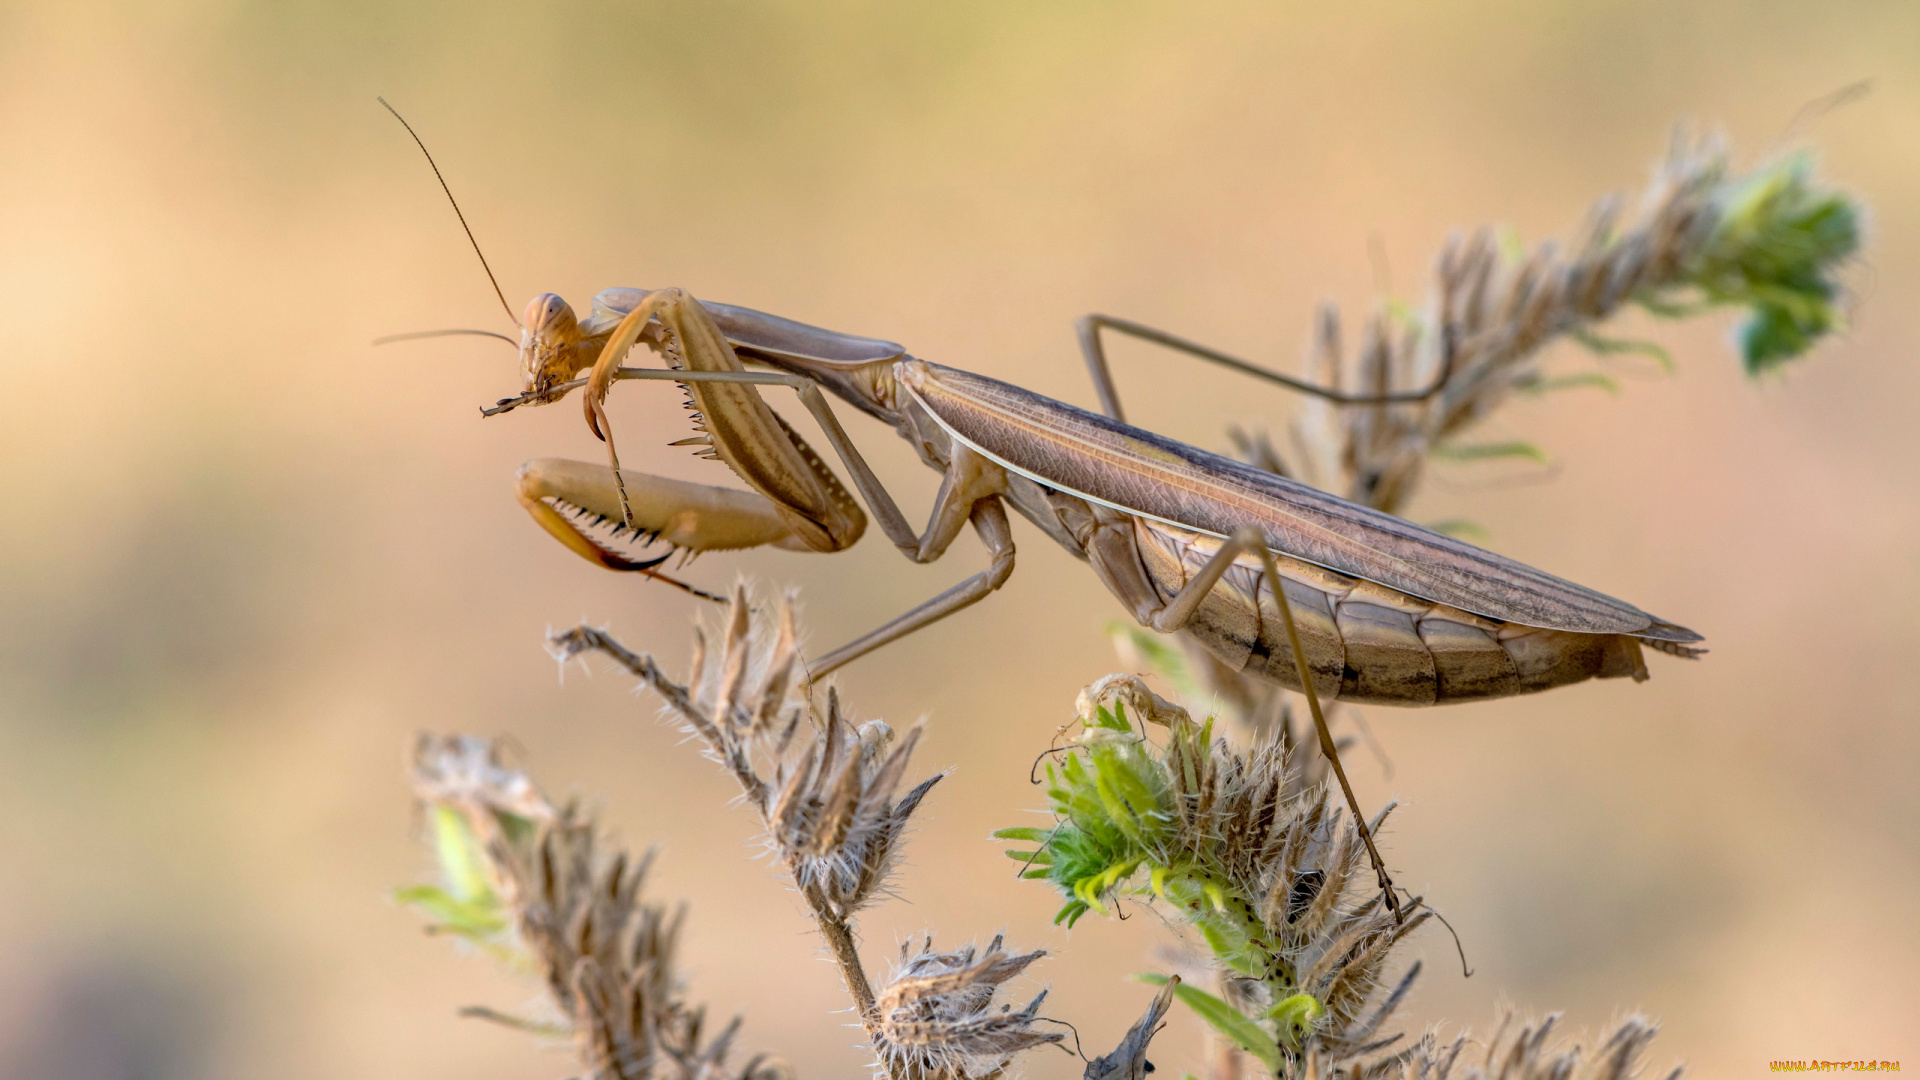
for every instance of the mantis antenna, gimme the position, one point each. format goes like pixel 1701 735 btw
pixel 456 208
pixel 418 334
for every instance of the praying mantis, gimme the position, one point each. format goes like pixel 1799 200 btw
pixel 1280 581
pixel 1388 612
pixel 1283 582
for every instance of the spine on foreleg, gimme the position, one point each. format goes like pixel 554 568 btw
pixel 1373 645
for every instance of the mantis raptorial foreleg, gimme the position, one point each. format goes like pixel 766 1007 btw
pixel 746 435
pixel 1095 353
pixel 687 516
pixel 969 492
pixel 968 479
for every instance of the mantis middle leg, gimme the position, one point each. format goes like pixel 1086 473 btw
pixel 989 518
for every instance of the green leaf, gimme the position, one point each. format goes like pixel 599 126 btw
pixel 1121 770
pixel 1295 1016
pixel 479 921
pixel 1462 529
pixel 1774 334
pixel 1513 250
pixel 463 860
pixel 517 830
pixel 1071 913
pixel 1490 451
pixel 1775 250
pixel 1230 946
pixel 1115 874
pixel 1226 1019
pixel 1606 346
pixel 1402 313
pixel 1548 384
pixel 1117 811
pixel 1028 833
pixel 1668 309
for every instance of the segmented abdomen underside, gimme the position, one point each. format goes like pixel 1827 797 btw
pixel 1367 643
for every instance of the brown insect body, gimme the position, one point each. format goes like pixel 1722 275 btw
pixel 1389 612
pixel 1369 644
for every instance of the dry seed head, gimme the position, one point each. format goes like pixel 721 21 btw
pixel 936 1014
pixel 607 958
pixel 825 788
pixel 1527 1051
pixel 466 770
pixel 1128 1061
pixel 1274 878
pixel 1490 317
pixel 755 676
pixel 827 791
pixel 834 819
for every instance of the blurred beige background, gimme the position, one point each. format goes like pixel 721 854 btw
pixel 245 555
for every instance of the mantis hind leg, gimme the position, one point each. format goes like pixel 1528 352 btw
pixel 1181 608
pixel 1093 349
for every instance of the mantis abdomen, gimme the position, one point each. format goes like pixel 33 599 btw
pixel 1367 643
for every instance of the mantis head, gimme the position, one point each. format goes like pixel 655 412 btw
pixel 549 343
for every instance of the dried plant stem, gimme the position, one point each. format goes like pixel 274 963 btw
pixel 839 937
pixel 835 929
pixel 642 667
pixel 829 794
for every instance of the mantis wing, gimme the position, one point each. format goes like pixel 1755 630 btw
pixel 1098 459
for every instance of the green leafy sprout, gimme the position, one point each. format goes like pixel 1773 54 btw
pixel 1220 839
pixel 1774 251
pixel 468 903
pixel 1776 244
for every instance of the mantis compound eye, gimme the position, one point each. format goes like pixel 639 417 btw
pixel 544 310
pixel 549 342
